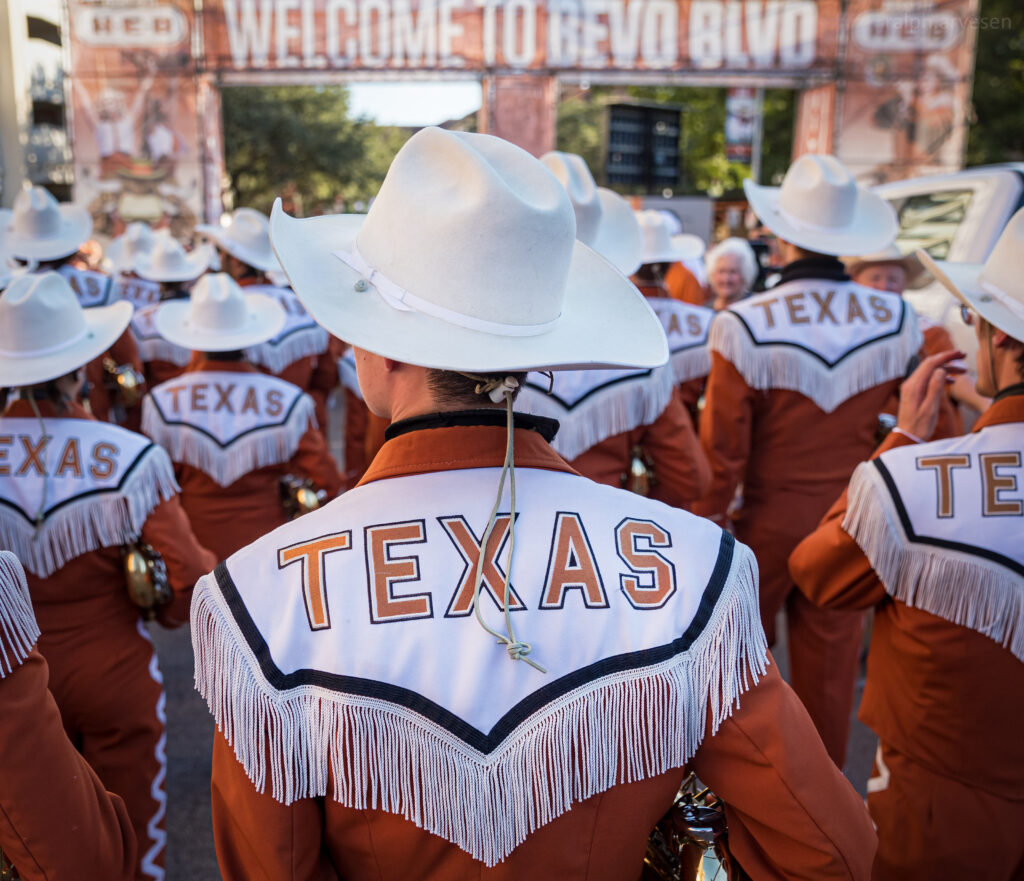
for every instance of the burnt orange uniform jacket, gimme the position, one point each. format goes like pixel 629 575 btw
pixel 683 285
pixel 946 700
pixel 124 351
pixel 793 460
pixel 791 813
pixel 226 518
pixel 101 663
pixel 680 468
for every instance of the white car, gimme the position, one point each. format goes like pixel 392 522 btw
pixel 953 217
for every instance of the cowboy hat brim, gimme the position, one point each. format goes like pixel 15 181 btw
pixel 263 261
pixel 966 282
pixel 912 266
pixel 196 263
pixel 75 229
pixel 605 320
pixel 264 320
pixel 684 246
pixel 105 325
pixel 618 237
pixel 873 226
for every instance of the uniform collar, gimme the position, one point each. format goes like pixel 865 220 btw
pixel 821 267
pixel 463 439
pixel 22 409
pixel 1007 406
pixel 200 363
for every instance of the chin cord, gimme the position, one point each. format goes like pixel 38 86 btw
pixel 496 390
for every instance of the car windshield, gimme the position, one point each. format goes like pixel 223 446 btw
pixel 930 221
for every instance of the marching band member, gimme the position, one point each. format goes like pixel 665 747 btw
pixel 364 431
pixel 686 324
pixel 299 352
pixel 84 502
pixel 369 723
pixel 56 819
pixel 619 427
pixel 890 270
pixel 233 432
pixel 929 535
pixel 50 235
pixel 798 376
pixel 174 271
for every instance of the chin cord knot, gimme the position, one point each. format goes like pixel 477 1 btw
pixel 496 390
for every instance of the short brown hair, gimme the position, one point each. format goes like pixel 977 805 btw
pixel 450 387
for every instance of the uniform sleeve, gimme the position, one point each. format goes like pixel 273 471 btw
pixel 259 838
pixel 313 460
pixel 168 530
pixel 124 351
pixel 829 567
pixel 791 812
pixel 56 819
pixel 725 431
pixel 680 466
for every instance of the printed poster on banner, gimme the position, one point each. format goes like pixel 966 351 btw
pixel 134 119
pixel 908 83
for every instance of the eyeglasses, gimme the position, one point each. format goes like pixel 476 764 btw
pixel 967 314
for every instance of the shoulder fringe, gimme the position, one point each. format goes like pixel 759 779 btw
pixel 690 363
pixel 967 590
pixel 622 728
pixel 162 350
pixel 269 445
pixel 787 367
pixel 620 408
pixel 100 520
pixel 18 628
pixel 300 343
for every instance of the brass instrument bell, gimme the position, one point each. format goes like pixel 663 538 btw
pixel 124 382
pixel 640 477
pixel 145 574
pixel 299 496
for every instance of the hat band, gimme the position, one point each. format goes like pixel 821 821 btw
pixel 1015 308
pixel 49 350
pixel 402 300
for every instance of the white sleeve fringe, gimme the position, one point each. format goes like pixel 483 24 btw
pixel 18 628
pixel 621 728
pixel 962 588
pixel 300 343
pixel 691 363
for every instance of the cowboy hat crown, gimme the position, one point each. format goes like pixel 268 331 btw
pixel 168 261
pixel 137 239
pixel 995 288
pixel 40 228
pixel 467 260
pixel 219 317
pixel 604 220
pixel 660 246
pixel 820 208
pixel 245 237
pixel 45 333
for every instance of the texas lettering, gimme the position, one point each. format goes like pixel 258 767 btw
pixel 571 578
pixel 824 307
pixel 224 397
pixel 23 454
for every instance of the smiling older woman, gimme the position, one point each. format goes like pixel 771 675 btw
pixel 732 269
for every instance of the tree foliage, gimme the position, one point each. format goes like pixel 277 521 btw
pixel 301 140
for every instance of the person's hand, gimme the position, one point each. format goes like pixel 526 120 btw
pixel 922 392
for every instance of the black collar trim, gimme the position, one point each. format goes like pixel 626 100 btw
pixel 821 267
pixel 545 427
pixel 1009 392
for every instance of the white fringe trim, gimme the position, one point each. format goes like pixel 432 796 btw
pixel 785 367
pixel 692 363
pixel 162 350
pixel 970 591
pixel 393 759
pixel 268 445
pixel 103 520
pixel 302 343
pixel 18 628
pixel 604 414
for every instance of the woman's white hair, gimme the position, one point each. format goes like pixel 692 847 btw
pixel 737 247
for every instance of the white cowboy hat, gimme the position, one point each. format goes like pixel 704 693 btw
pixel 820 208
pixel 137 239
pixel 660 246
pixel 467 260
pixel 39 228
pixel 994 289
pixel 45 333
pixel 247 237
pixel 168 261
pixel 910 262
pixel 604 220
pixel 219 316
